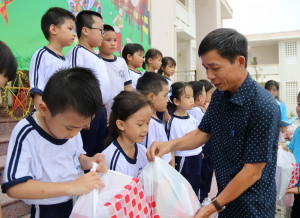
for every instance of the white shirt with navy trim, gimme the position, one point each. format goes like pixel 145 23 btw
pixel 117 160
pixel 179 126
pixel 80 56
pixel 169 82
pixel 119 77
pixel 44 63
pixel 34 154
pixel 156 132
pixel 197 113
pixel 134 77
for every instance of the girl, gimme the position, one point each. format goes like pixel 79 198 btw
pixel 153 60
pixel 273 87
pixel 128 125
pixel 167 68
pixel 209 88
pixel 133 54
pixel 188 163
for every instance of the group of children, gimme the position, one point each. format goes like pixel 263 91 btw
pixel 94 94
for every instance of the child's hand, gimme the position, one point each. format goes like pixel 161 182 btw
pixel 85 183
pixel 100 160
pixel 293 190
pixel 282 144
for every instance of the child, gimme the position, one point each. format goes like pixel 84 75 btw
pixel 294 146
pixel 116 67
pixel 155 88
pixel 167 68
pixel 188 163
pixel 58 28
pixel 207 162
pixel 153 59
pixel 45 157
pixel 199 100
pixel 90 32
pixel 128 125
pixel 133 54
pixel 8 66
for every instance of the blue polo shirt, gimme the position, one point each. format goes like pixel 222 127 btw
pixel 244 129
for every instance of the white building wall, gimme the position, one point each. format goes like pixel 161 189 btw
pixel 264 54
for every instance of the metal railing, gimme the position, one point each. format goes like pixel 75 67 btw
pixel 184 76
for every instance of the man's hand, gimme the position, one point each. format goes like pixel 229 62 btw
pixel 206 211
pixel 159 149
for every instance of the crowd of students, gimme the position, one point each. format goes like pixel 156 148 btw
pixel 118 110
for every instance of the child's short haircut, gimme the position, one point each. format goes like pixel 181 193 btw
pixel 151 82
pixel 8 62
pixel 73 88
pixel 208 85
pixel 85 19
pixel 131 48
pixel 151 53
pixel 55 16
pixel 197 88
pixel 107 27
pixel 166 61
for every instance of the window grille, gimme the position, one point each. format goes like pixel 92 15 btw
pixel 290 52
pixel 291 92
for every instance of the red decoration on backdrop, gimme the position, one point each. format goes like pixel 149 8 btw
pixel 3 10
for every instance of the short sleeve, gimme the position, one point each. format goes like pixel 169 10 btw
pixel 205 124
pixel 263 134
pixel 295 139
pixel 127 78
pixel 37 73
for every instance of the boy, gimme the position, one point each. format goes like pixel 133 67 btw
pixel 116 67
pixel 58 27
pixel 45 157
pixel 90 33
pixel 155 87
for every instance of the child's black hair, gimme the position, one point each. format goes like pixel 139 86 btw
pixel 176 91
pixel 151 53
pixel 166 61
pixel 197 87
pixel 85 19
pixel 208 85
pixel 8 62
pixel 55 16
pixel 151 82
pixel 125 104
pixel 271 83
pixel 76 89
pixel 107 27
pixel 131 48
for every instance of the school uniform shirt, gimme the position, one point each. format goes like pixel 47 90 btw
pixel 44 63
pixel 282 110
pixel 34 154
pixel 156 132
pixel 177 127
pixel 197 113
pixel 134 77
pixel 169 82
pixel 119 77
pixel 117 159
pixel 294 146
pixel 80 56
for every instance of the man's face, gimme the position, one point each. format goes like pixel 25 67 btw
pixel 223 74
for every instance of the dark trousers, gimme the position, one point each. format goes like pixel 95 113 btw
pixel 190 168
pixel 93 139
pixel 206 171
pixel 296 207
pixel 61 210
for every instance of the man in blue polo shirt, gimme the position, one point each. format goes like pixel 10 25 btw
pixel 243 121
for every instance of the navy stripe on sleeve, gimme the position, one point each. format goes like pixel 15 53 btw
pixel 37 65
pixel 116 160
pixel 112 160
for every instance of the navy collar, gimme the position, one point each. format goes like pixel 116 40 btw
pixel 109 60
pixel 138 72
pixel 54 54
pixel 182 117
pixel 157 120
pixel 130 160
pixel 90 51
pixel 43 133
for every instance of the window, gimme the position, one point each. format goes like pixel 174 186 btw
pixel 290 52
pixel 291 92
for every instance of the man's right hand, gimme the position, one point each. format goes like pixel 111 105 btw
pixel 158 149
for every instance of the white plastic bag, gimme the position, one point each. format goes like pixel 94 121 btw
pixel 122 196
pixel 287 172
pixel 167 191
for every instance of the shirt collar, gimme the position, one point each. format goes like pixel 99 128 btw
pixel 240 96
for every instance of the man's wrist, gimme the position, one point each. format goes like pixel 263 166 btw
pixel 217 206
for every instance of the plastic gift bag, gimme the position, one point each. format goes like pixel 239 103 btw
pixel 287 172
pixel 122 196
pixel 168 193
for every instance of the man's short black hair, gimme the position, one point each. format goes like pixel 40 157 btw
pixel 85 19
pixel 55 16
pixel 73 88
pixel 227 42
pixel 107 27
pixel 151 82
pixel 8 62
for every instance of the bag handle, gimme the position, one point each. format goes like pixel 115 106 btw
pixel 95 191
